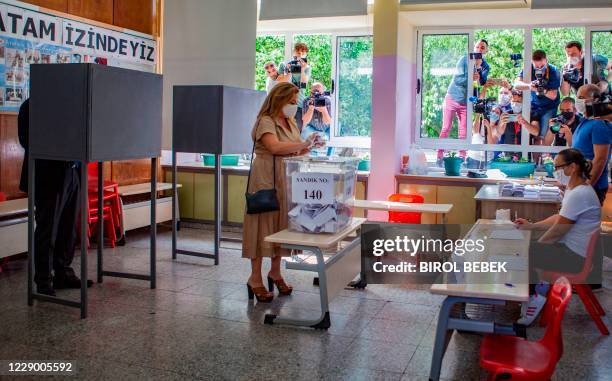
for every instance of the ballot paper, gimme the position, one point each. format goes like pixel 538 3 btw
pixel 510 234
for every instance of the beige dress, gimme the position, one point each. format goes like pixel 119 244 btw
pixel 258 226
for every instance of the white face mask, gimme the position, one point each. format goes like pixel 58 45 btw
pixel 505 99
pixel 517 107
pixel 290 110
pixel 562 177
pixel 574 61
pixel 581 106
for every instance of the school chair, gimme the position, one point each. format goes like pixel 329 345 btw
pixel 406 217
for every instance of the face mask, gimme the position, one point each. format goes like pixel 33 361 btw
pixel 581 106
pixel 493 116
pixel 505 99
pixel 567 115
pixel 517 107
pixel 290 110
pixel 561 176
pixel 574 61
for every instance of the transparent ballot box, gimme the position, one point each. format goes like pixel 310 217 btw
pixel 320 193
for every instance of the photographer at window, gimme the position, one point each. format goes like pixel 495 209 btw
pixel 507 120
pixel 455 102
pixel 274 77
pixel 593 135
pixel 573 70
pixel 562 127
pixel 544 93
pixel 299 72
pixel 317 115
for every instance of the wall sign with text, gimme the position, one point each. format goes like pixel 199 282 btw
pixel 31 37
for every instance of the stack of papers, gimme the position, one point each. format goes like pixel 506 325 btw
pixel 317 218
pixel 512 190
pixel 543 192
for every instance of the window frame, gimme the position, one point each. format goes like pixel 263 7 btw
pixel 335 141
pixel 524 147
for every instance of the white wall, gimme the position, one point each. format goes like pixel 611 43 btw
pixel 207 42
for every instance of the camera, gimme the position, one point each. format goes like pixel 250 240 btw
pixel 294 65
pixel 571 74
pixel 601 107
pixel 558 121
pixel 319 99
pixel 516 59
pixel 475 56
pixel 540 82
pixel 483 106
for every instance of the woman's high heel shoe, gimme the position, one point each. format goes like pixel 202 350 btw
pixel 263 296
pixel 283 288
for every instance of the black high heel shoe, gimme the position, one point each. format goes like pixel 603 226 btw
pixel 263 296
pixel 283 288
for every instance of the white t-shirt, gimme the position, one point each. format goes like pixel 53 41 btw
pixel 580 204
pixel 270 83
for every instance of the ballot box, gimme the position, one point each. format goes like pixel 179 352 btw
pixel 320 193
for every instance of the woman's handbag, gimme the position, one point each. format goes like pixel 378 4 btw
pixel 263 200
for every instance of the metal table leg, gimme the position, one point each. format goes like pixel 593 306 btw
pixel 323 322
pixel 447 325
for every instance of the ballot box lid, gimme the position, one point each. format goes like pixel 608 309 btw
pixel 214 118
pixel 89 112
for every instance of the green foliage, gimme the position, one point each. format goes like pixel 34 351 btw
pixel 440 56
pixel 319 57
pixel 553 40
pixel 267 48
pixel 355 86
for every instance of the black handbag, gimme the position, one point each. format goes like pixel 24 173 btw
pixel 264 200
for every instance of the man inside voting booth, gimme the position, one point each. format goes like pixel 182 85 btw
pixel 56 202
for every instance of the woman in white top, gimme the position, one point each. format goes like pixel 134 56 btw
pixel 563 245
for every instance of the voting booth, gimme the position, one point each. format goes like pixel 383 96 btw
pixel 88 113
pixel 212 119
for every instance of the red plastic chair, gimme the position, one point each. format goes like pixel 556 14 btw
pixel 583 289
pixel 110 236
pixel 111 196
pixel 2 197
pixel 515 358
pixel 406 217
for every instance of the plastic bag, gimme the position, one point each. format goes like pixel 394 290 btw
pixel 417 161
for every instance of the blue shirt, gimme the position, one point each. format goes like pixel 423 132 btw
pixel 588 133
pixel 458 87
pixel 554 82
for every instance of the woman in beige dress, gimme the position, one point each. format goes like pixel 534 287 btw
pixel 276 135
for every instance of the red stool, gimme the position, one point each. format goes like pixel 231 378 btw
pixel 589 300
pixel 515 358
pixel 406 217
pixel 109 226
pixel 2 197
pixel 111 196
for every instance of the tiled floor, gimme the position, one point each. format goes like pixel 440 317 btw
pixel 198 324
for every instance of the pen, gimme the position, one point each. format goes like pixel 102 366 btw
pixel 509 284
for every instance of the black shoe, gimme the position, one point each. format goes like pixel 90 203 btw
pixel 45 290
pixel 69 282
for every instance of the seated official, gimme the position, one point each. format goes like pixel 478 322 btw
pixel 317 117
pixel 563 245
pixel 562 127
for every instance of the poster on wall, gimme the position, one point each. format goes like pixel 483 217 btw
pixel 32 37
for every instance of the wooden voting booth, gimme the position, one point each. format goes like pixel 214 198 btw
pixel 93 113
pixel 211 119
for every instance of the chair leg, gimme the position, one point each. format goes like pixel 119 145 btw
pixel 595 302
pixel 545 315
pixel 583 294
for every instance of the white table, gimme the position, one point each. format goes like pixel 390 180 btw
pixel 389 206
pixel 14 227
pixel 504 287
pixel 137 215
pixel 336 258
